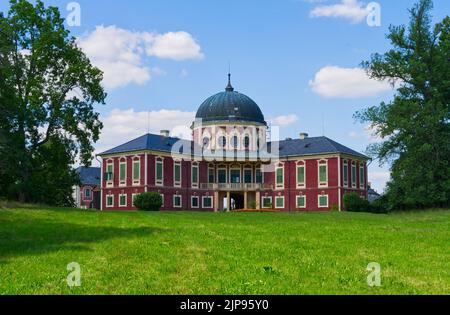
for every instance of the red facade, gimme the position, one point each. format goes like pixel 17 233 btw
pixel 318 196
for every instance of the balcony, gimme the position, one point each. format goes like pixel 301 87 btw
pixel 236 187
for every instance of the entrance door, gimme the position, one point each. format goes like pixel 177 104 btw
pixel 238 201
pixel 96 202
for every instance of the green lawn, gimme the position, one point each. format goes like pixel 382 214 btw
pixel 207 253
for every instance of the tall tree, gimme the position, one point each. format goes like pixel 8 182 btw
pixel 48 92
pixel 415 126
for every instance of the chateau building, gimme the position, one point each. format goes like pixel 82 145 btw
pixel 232 163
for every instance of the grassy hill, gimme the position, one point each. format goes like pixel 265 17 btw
pixel 208 253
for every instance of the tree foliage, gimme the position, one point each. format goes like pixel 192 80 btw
pixel 415 125
pixel 48 89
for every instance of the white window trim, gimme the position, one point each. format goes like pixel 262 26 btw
pixel 319 164
pixel 110 183
pixel 203 202
pixel 181 201
pixel 262 201
pixel 195 165
pixel 362 179
pixel 318 201
pixel 136 182
pixel 301 185
pixel 279 186
pixel 159 160
pixel 276 206
pixel 198 202
pixel 345 165
pixel 123 183
pixel 126 200
pixel 86 198
pixel 206 134
pixel 296 201
pixel 106 201
pixel 353 178
pixel 162 197
pixel 177 183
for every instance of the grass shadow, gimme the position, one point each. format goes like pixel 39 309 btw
pixel 36 236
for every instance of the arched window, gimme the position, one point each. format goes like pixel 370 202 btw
pixel 246 142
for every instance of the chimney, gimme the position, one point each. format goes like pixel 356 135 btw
pixel 303 136
pixel 165 133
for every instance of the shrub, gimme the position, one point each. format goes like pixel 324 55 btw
pixel 252 204
pixel 149 201
pixel 354 203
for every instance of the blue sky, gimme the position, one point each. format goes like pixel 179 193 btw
pixel 296 58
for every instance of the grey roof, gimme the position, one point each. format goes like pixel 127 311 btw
pixel 373 195
pixel 89 175
pixel 151 142
pixel 230 106
pixel 312 146
pixel 295 147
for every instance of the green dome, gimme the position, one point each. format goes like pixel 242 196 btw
pixel 230 106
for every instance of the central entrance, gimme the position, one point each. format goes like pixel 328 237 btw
pixel 237 201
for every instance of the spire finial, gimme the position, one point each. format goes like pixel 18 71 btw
pixel 229 88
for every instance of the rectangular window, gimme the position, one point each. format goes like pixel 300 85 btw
pixel 235 176
pixel 122 172
pixel 248 174
pixel 194 176
pixel 109 201
pixel 258 176
pixel 87 193
pixel 280 177
pixel 109 172
pixel 194 202
pixel 177 201
pixel 136 172
pixel 279 202
pixel 362 180
pixel 300 176
pixel 222 176
pixel 267 202
pixel 345 174
pixel 207 202
pixel 133 197
pixel 323 174
pixel 162 198
pixel 177 174
pixel 301 202
pixel 323 201
pixel 122 200
pixel 353 175
pixel 211 175
pixel 159 172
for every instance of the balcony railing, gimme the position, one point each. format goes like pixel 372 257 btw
pixel 236 186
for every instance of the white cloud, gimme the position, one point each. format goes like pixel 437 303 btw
pixel 337 82
pixel 184 73
pixel 284 120
pixel 173 45
pixel 352 10
pixel 121 126
pixel 379 179
pixel 121 53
